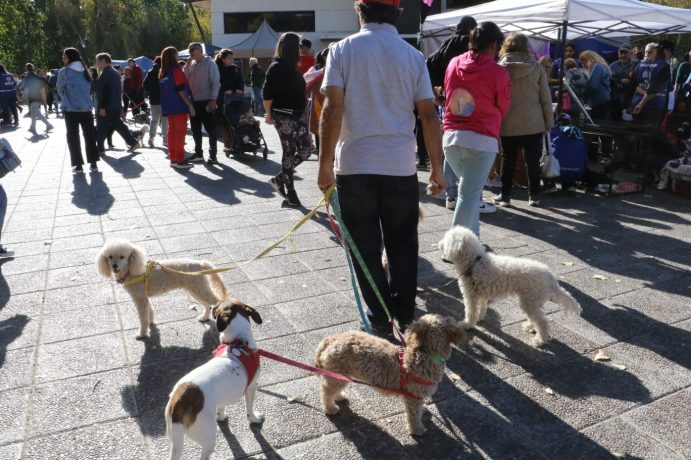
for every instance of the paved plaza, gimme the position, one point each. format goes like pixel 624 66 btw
pixel 75 384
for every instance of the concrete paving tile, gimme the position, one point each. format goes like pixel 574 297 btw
pixel 18 224
pixel 25 282
pixel 16 366
pixel 20 304
pixel 337 278
pixel 77 242
pixel 164 209
pixel 131 223
pixel 61 360
pixel 76 297
pixel 606 439
pixel 585 282
pixel 278 266
pixel 18 331
pixel 663 421
pixel 291 287
pixel 73 324
pixel 25 264
pixel 669 307
pixel 171 217
pixel 134 236
pixel 11 451
pixel 23 236
pixel 72 276
pixel 323 258
pixel 274 324
pixel 31 248
pixel 61 221
pixel 293 347
pixel 245 251
pixel 115 440
pixel 186 242
pixel 309 313
pixel 72 258
pixel 80 402
pixel 13 414
pixel 177 229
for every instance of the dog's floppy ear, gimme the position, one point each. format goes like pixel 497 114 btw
pixel 137 260
pixel 415 334
pixel 254 314
pixel 103 265
pixel 455 331
pixel 222 322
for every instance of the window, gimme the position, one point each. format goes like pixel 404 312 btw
pixel 280 21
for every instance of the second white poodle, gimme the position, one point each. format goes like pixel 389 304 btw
pixel 485 276
pixel 125 261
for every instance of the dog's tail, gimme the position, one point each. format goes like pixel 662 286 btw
pixel 563 298
pixel 320 349
pixel 144 129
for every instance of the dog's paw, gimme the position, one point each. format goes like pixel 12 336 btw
pixel 340 397
pixel 539 342
pixel 528 327
pixel 417 430
pixel 202 318
pixel 141 336
pixel 255 418
pixel 332 409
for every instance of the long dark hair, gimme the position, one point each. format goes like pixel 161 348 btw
pixel 168 59
pixel 72 55
pixel 221 55
pixel 288 48
pixel 484 36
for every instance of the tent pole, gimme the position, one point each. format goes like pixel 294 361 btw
pixel 560 101
pixel 196 19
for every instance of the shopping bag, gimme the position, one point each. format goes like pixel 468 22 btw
pixel 9 161
pixel 548 163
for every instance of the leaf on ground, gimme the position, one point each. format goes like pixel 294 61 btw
pixel 341 278
pixel 455 377
pixel 619 367
pixel 568 264
pixel 618 455
pixel 617 280
pixel 292 400
pixel 601 356
pixel 47 242
pixel 600 277
pixel 549 391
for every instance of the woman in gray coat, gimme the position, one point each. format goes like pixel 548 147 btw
pixel 529 118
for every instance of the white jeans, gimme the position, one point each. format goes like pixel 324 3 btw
pixel 153 124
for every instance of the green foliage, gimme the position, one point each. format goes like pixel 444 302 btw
pixel 38 30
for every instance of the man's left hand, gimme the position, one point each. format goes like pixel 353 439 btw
pixel 211 106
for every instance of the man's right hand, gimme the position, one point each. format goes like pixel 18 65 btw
pixel 102 112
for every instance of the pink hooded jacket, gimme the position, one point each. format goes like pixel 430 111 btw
pixel 478 94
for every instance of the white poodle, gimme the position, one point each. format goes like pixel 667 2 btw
pixel 484 276
pixel 124 261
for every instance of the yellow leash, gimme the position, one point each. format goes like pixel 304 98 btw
pixel 150 265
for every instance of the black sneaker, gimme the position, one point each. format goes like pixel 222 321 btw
pixel 278 185
pixel 196 158
pixel 5 253
pixel 292 198
pixel 212 161
pixel 94 166
pixel 78 169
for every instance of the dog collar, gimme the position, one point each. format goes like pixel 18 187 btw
pixel 469 272
pixel 143 277
pixel 407 376
pixel 438 358
pixel 238 350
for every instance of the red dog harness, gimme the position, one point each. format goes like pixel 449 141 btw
pixel 408 377
pixel 238 350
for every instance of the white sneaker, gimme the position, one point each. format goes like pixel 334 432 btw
pixel 493 183
pixel 486 208
pixel 5 253
pixel 450 203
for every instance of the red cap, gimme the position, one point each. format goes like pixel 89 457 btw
pixel 394 3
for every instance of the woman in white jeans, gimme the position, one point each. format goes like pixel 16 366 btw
pixel 478 96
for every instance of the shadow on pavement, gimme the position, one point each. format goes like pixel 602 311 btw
pixel 128 168
pixel 94 197
pixel 228 183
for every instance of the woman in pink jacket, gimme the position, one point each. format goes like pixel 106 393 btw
pixel 478 98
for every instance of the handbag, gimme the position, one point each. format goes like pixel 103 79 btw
pixel 9 161
pixel 549 165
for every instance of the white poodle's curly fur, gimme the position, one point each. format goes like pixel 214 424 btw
pixel 375 361
pixel 123 260
pixel 484 276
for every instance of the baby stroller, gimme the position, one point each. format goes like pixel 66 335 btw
pixel 244 128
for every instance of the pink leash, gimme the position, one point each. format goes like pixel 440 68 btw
pixel 326 373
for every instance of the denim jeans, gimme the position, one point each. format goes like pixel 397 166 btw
pixel 37 114
pixel 378 208
pixel 257 101
pixel 472 168
pixel 451 181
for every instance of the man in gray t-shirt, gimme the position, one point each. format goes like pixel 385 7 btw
pixel 373 82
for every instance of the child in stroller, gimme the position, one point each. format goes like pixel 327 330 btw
pixel 244 128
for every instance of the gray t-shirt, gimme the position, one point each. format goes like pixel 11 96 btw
pixel 383 77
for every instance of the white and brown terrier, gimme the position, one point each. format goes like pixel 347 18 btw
pixel 198 399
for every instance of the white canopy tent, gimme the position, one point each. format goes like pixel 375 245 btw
pixel 261 44
pixel 548 19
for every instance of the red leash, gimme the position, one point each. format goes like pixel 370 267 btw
pixel 326 373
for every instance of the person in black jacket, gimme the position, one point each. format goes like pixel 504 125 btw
pixel 257 75
pixel 284 103
pixel 231 83
pixel 109 99
pixel 153 90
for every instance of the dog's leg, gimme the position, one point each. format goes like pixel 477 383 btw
pixel 330 391
pixel 177 438
pixel 250 393
pixel 472 310
pixel 482 306
pixel 144 311
pixel 203 430
pixel 204 317
pixel 537 320
pixel 220 413
pixel 413 413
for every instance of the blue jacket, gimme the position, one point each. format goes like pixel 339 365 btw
pixel 75 90
pixel 8 87
pixel 109 90
pixel 171 103
pixel 598 88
